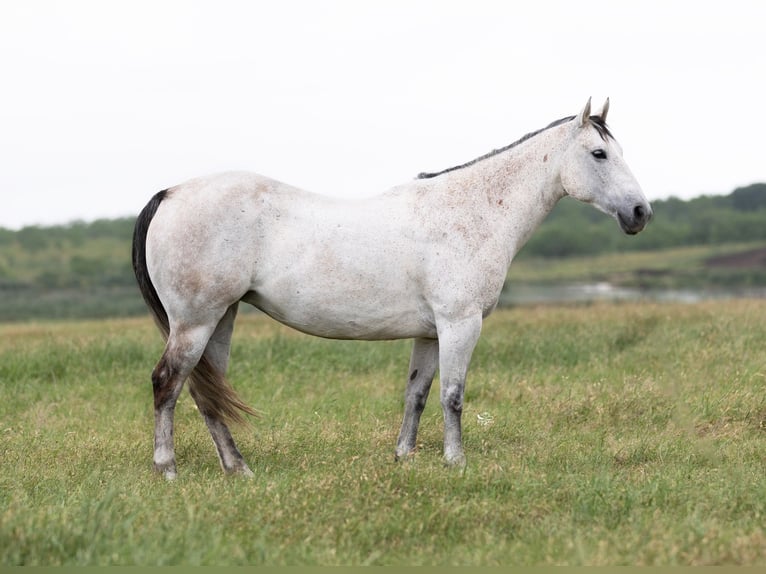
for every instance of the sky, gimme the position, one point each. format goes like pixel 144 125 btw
pixel 103 103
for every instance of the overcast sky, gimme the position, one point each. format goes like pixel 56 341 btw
pixel 102 103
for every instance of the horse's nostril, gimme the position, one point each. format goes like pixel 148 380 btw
pixel 639 212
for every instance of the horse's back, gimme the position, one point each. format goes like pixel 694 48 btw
pixel 330 267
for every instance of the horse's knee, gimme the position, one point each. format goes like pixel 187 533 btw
pixel 452 398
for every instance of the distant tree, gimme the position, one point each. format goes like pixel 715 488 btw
pixel 749 198
pixel 32 238
pixel 671 208
pixel 116 228
pixel 7 236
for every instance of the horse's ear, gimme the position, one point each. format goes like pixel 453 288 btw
pixel 604 110
pixel 584 116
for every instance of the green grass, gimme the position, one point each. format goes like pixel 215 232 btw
pixel 604 434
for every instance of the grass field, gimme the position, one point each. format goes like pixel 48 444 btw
pixel 596 435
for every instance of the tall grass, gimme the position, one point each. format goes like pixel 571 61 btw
pixel 605 434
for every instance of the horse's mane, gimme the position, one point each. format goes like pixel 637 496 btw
pixel 596 121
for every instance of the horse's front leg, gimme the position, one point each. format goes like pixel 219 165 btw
pixel 457 340
pixel 423 364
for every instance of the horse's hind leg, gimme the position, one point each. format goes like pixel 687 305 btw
pixel 182 352
pixel 217 353
pixel 423 363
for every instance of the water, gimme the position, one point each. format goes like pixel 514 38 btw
pixel 514 294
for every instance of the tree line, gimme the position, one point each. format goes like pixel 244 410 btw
pixel 574 229
pixel 84 268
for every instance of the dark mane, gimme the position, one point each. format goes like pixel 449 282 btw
pixel 601 127
pixel 596 121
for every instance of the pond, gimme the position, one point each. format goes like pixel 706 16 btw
pixel 524 294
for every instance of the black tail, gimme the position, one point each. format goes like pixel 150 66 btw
pixel 139 262
pixel 210 389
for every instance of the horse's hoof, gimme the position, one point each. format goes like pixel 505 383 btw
pixel 240 470
pixel 404 455
pixel 167 470
pixel 456 461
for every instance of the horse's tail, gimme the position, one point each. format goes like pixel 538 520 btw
pixel 139 263
pixel 211 391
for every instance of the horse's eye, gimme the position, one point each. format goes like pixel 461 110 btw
pixel 599 154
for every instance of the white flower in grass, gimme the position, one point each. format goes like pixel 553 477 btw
pixel 485 419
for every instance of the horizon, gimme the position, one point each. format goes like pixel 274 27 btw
pixel 74 222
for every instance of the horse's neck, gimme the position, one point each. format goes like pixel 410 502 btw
pixel 522 185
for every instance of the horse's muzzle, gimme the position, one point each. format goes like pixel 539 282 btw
pixel 636 219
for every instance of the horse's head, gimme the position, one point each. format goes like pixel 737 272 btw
pixel 593 171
